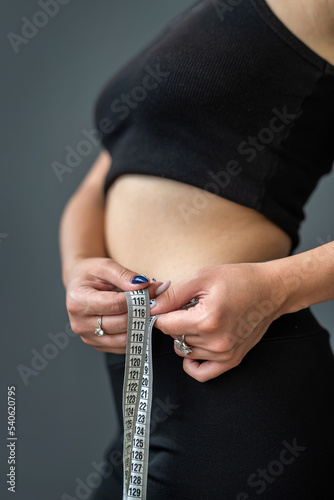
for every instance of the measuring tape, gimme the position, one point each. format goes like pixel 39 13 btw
pixel 137 393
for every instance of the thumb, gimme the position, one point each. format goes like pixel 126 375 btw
pixel 175 297
pixel 122 277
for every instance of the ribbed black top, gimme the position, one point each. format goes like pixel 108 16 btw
pixel 229 100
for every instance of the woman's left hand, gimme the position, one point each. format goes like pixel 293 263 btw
pixel 237 303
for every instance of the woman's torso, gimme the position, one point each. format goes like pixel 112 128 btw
pixel 150 230
pixel 166 229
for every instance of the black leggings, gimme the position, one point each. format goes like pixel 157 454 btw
pixel 264 429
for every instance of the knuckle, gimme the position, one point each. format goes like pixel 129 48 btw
pixel 123 274
pixel 238 360
pixel 224 344
pixel 171 295
pixel 72 303
pixel 95 304
pixel 100 266
pixel 234 362
pixel 75 326
pixel 210 323
pixel 201 378
pixel 118 303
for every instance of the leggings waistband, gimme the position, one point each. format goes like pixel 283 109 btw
pixel 288 326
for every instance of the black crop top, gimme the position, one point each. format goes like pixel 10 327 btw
pixel 229 100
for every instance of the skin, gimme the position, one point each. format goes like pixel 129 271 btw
pixel 230 257
pixel 310 20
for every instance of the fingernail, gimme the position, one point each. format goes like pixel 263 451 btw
pixel 152 303
pixel 140 278
pixel 162 288
pixel 153 280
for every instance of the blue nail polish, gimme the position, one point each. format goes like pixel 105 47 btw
pixel 153 280
pixel 140 278
pixel 152 303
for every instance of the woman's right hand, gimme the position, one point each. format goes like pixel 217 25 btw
pixel 94 289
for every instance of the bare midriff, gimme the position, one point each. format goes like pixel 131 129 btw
pixel 166 229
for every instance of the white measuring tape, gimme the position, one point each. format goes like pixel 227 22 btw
pixel 137 393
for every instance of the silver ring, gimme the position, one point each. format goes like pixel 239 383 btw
pixel 98 331
pixel 182 346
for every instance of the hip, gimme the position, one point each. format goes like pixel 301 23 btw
pixel 231 427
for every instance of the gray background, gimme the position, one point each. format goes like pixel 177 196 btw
pixel 65 413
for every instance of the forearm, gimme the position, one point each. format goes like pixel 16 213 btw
pixel 82 228
pixel 308 277
pixel 82 223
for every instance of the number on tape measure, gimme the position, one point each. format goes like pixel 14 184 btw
pixel 137 395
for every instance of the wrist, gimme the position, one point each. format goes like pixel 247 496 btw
pixel 67 269
pixel 286 274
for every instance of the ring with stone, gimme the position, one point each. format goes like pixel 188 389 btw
pixel 182 346
pixel 98 331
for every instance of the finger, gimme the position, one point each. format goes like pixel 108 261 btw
pixel 193 340
pixel 158 287
pixel 175 323
pixel 202 372
pixel 87 301
pixel 117 341
pixel 120 276
pixel 111 325
pixel 204 354
pixel 111 350
pixel 179 295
